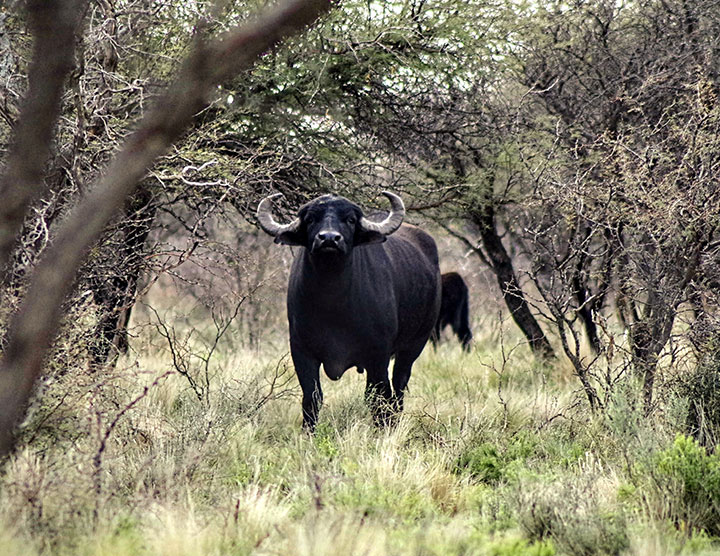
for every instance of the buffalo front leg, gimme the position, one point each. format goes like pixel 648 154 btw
pixel 378 393
pixel 401 374
pixel 308 372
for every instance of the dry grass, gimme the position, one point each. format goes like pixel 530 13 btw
pixel 131 461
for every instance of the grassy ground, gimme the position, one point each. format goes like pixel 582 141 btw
pixel 494 455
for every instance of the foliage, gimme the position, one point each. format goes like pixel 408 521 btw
pixel 550 140
pixel 488 463
pixel 686 480
pixel 624 102
pixel 699 387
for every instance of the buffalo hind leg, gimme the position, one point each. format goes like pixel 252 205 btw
pixel 463 333
pixel 435 334
pixel 378 393
pixel 308 373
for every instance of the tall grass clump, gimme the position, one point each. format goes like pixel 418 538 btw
pixel 577 512
pixel 700 387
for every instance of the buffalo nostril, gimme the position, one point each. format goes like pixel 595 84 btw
pixel 329 236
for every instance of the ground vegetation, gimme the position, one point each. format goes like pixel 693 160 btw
pixel 565 156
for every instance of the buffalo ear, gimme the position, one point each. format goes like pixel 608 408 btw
pixel 366 237
pixel 290 237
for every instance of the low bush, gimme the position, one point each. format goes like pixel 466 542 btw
pixel 684 486
pixel 701 389
pixel 491 463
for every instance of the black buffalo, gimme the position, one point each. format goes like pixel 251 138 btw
pixel 454 310
pixel 360 292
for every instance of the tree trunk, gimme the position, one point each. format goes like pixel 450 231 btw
pixel 644 360
pixel 116 294
pixel 585 312
pixel 648 337
pixel 512 293
pixel 54 24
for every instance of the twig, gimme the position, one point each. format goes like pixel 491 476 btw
pixel 97 459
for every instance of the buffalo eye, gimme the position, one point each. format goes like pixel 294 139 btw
pixel 351 220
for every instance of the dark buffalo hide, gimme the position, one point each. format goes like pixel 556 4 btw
pixel 360 293
pixel 454 310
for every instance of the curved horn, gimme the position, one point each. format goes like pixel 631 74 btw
pixel 268 223
pixel 392 221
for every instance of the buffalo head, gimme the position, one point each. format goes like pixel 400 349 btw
pixel 331 224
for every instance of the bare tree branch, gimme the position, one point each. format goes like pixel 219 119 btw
pixel 34 326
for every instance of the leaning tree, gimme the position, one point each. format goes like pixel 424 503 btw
pixel 209 62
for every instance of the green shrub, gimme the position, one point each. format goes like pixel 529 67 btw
pixel 488 463
pixel 483 463
pixel 520 547
pixel 377 500
pixel 325 441
pixel 686 486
